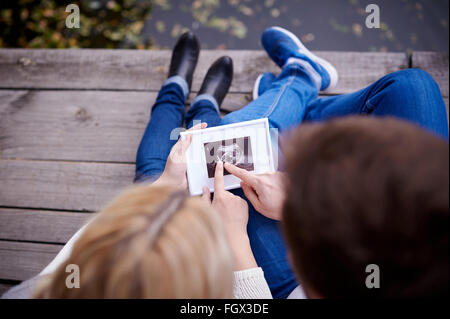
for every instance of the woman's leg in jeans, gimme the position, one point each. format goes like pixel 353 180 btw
pixel 410 94
pixel 166 119
pixel 204 109
pixel 166 122
pixel 284 104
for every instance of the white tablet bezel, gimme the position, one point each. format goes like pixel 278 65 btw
pixel 261 146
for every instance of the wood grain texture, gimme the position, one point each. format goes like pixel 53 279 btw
pixel 40 226
pixel 147 70
pixel 21 261
pixel 78 125
pixel 61 185
pixel 435 63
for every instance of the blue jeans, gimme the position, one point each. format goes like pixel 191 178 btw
pixel 291 100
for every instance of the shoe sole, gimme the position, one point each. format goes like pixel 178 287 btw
pixel 334 77
pixel 256 87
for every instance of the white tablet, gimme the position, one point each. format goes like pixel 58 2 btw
pixel 246 145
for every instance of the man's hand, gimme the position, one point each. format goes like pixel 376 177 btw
pixel 234 213
pixel 265 191
pixel 175 170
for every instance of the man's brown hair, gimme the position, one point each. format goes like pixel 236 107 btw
pixel 368 191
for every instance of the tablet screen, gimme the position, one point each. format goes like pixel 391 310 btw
pixel 236 151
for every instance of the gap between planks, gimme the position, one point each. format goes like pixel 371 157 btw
pixel 147 70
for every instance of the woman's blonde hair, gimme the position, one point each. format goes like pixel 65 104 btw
pixel 188 257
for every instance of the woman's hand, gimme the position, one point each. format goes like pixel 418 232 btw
pixel 234 213
pixel 175 170
pixel 266 192
pixel 233 209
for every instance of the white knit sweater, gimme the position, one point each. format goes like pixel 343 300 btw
pixel 251 284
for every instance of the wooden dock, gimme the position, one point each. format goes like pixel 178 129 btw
pixel 71 121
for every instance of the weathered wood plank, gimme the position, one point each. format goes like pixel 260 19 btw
pixel 78 125
pixel 61 185
pixel 21 261
pixel 41 226
pixel 435 63
pixel 71 125
pixel 147 70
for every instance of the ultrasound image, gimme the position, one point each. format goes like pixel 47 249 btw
pixel 236 151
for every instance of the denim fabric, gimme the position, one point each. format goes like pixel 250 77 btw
pixel 162 132
pixel 410 94
pixel 265 83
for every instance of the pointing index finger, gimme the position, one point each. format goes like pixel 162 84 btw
pixel 218 179
pixel 244 175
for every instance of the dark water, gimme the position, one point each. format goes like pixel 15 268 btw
pixel 322 24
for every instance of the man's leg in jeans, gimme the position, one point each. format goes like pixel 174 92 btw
pixel 410 94
pixel 166 117
pixel 284 104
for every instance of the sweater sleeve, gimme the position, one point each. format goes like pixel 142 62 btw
pixel 251 284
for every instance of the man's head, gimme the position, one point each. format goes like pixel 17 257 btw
pixel 368 191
